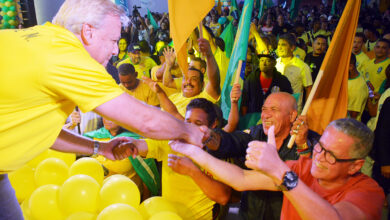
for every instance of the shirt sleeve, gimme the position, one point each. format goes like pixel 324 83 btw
pixel 77 77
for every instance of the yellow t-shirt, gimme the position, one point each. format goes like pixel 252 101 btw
pixel 179 188
pixel 357 95
pixel 181 102
pixel 376 72
pixel 45 72
pixel 143 93
pixel 299 75
pixel 143 68
pixel 361 61
pixel 298 52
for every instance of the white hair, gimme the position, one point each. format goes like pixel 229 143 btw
pixel 74 13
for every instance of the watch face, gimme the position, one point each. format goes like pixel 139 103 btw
pixel 290 180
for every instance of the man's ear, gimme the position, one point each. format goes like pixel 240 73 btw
pixel 86 33
pixel 293 116
pixel 355 166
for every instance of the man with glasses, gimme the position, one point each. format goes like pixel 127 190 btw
pixel 327 186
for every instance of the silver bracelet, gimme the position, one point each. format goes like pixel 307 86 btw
pixel 96 146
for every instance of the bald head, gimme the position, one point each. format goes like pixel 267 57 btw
pixel 285 99
pixel 280 110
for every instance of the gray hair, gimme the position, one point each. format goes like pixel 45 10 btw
pixel 361 134
pixel 74 13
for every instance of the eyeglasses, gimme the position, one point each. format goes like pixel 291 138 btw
pixel 329 156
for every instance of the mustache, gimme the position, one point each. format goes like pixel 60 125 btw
pixel 189 85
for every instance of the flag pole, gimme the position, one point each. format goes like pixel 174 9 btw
pixel 200 30
pixel 238 71
pixel 307 105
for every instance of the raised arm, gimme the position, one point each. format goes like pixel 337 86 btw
pixel 170 57
pixel 213 86
pixel 165 103
pixel 148 121
pixel 230 174
pixel 234 116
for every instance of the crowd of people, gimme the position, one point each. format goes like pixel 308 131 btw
pixel 128 115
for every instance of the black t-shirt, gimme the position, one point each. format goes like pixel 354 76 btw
pixel 314 62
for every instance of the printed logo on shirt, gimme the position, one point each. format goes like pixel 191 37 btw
pixel 379 70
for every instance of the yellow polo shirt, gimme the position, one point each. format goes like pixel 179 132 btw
pixel 376 72
pixel 143 93
pixel 45 72
pixel 179 188
pixel 181 102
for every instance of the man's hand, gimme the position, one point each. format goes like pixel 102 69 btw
pixel 118 148
pixel 196 134
pixel 235 94
pixel 184 148
pixel 181 165
pixel 300 129
pixel 204 47
pixel 75 118
pixel 170 56
pixel 264 156
pixel 152 84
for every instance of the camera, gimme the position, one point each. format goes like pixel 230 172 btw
pixel 135 11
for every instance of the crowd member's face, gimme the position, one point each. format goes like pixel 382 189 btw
pixel 122 45
pixel 191 85
pixel 103 40
pixel 280 20
pixel 357 45
pixel 319 46
pixel 339 144
pixel 197 65
pixel 128 81
pixel 381 49
pixel 277 110
pixel 135 57
pixel 266 64
pixel 284 48
pixel 197 117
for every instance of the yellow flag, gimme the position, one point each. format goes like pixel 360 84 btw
pixel 184 17
pixel 331 99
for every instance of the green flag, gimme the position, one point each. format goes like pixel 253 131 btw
pixel 261 9
pixel 239 53
pixel 152 21
pixel 233 3
pixel 294 8
pixel 333 10
pixel 257 5
pixel 228 37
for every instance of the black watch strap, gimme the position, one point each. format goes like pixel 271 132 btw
pixel 290 181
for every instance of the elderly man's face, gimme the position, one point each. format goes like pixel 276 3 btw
pixel 339 144
pixel 103 40
pixel 278 111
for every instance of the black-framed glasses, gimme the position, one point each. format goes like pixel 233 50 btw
pixel 329 156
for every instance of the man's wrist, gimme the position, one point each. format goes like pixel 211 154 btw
pixel 96 148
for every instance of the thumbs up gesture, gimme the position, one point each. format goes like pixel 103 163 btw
pixel 263 156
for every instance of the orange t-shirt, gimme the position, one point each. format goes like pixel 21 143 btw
pixel 360 190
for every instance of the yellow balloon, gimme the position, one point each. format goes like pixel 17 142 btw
pixel 51 171
pixel 38 159
pixel 1 5
pixel 88 166
pixel 119 212
pixel 13 22
pixel 81 216
pixel 44 203
pixel 165 215
pixel 22 180
pixel 115 176
pixel 68 158
pixel 2 13
pixel 11 13
pixel 8 3
pixel 119 190
pixel 26 209
pixel 154 205
pixel 79 193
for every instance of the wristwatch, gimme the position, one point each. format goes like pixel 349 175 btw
pixel 290 181
pixel 96 146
